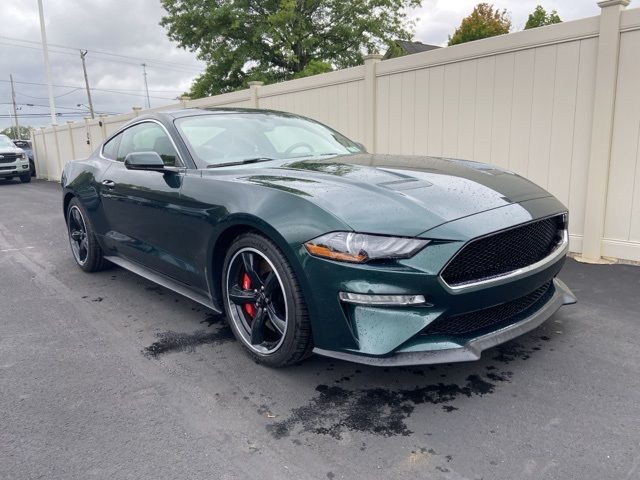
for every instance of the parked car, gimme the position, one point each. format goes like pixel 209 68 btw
pixel 310 244
pixel 13 161
pixel 26 146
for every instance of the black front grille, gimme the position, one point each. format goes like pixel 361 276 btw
pixel 504 252
pixel 505 313
pixel 8 157
pixel 7 168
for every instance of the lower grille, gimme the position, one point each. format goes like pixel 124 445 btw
pixel 8 157
pixel 505 313
pixel 7 168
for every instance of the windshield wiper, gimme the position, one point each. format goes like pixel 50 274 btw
pixel 242 162
pixel 314 155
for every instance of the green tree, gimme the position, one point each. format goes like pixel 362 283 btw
pixel 539 18
pixel 483 22
pixel 274 40
pixel 11 132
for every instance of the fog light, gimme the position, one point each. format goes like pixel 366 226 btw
pixel 24 167
pixel 381 300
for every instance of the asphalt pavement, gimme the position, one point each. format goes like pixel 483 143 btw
pixel 109 376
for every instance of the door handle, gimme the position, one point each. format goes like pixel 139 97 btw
pixel 109 183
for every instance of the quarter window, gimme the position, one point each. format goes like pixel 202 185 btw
pixel 110 149
pixel 147 137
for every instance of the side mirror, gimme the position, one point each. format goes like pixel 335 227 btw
pixel 144 161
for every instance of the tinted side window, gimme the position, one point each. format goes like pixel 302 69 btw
pixel 110 149
pixel 147 137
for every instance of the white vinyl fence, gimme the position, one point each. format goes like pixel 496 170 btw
pixel 559 105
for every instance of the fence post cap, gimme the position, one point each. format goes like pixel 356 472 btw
pixel 613 3
pixel 373 57
pixel 255 83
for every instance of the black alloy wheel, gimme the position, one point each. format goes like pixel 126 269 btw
pixel 264 303
pixel 84 246
pixel 78 236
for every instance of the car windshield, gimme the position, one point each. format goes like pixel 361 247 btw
pixel 22 144
pixel 5 142
pixel 236 137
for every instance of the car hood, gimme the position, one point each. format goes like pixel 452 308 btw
pixel 11 150
pixel 396 195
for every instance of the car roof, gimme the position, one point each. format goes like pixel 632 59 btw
pixel 190 112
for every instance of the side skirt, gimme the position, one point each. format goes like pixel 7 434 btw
pixel 163 281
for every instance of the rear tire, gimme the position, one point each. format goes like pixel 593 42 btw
pixel 84 246
pixel 25 178
pixel 266 294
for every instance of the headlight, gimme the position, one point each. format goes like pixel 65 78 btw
pixel 360 247
pixel 23 156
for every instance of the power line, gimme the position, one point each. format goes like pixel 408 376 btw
pixel 55 96
pixel 102 52
pixel 161 67
pixel 108 90
pixel 41 105
pixel 160 63
pixel 79 113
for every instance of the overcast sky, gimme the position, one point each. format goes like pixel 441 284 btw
pixel 130 28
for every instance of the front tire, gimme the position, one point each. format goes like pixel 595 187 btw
pixel 84 246
pixel 264 303
pixel 25 178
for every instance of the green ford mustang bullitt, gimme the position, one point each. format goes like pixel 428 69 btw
pixel 310 244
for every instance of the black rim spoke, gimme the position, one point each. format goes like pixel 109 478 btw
pixel 248 259
pixel 278 322
pixel 257 327
pixel 241 297
pixel 76 218
pixel 270 283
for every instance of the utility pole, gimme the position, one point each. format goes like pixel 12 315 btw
pixel 83 53
pixel 15 110
pixel 146 86
pixel 45 52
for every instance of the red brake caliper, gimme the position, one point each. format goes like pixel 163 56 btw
pixel 246 285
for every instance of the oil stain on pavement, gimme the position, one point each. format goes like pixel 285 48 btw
pixel 383 411
pixel 170 341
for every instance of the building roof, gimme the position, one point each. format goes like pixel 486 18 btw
pixel 409 48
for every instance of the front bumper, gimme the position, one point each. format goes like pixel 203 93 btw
pixel 400 335
pixel 13 170
pixel 471 349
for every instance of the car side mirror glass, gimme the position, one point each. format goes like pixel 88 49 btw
pixel 144 161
